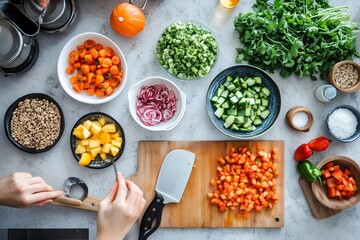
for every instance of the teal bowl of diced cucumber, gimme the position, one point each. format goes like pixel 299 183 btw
pixel 187 50
pixel 243 102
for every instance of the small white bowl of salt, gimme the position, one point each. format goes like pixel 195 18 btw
pixel 344 123
pixel 300 118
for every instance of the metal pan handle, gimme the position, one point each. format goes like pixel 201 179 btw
pixel 142 7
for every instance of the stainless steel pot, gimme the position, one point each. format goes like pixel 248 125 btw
pixel 58 17
pixel 19 48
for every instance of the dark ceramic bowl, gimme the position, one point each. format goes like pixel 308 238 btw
pixel 357 132
pixel 98 163
pixel 9 115
pixel 274 100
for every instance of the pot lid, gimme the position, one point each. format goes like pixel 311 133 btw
pixel 54 10
pixel 11 42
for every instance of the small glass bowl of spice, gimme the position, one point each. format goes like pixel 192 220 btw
pixel 344 123
pixel 345 76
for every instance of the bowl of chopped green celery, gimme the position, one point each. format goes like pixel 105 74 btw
pixel 243 102
pixel 187 50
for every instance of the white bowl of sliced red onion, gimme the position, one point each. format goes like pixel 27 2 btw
pixel 156 104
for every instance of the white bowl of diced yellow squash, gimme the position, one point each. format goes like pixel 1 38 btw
pixel 96 140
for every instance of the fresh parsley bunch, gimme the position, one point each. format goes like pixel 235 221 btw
pixel 302 36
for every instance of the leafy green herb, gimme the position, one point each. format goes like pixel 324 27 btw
pixel 302 36
pixel 187 50
pixel 108 75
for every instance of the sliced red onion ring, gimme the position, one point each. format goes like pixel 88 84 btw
pixel 155 104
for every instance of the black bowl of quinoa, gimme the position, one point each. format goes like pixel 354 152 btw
pixel 34 123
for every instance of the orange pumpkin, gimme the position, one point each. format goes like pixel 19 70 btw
pixel 127 19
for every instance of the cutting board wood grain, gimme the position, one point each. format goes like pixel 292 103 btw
pixel 194 209
pixel 318 210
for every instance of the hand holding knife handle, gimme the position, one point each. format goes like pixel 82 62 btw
pixel 152 213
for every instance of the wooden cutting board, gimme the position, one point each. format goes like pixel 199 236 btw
pixel 194 209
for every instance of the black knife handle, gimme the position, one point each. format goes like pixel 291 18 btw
pixel 152 213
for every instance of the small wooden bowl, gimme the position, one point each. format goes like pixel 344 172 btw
pixel 290 115
pixel 355 87
pixel 320 192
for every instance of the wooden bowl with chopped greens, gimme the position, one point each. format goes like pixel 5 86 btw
pixel 187 50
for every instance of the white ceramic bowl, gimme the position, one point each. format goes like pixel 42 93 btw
pixel 64 78
pixel 180 104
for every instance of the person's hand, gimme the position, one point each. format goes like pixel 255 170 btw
pixel 119 210
pixel 22 190
pixel 43 3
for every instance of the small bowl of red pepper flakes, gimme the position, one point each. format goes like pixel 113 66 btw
pixel 341 183
pixel 92 68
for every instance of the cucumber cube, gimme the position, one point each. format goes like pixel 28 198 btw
pixel 225 105
pixel 247 123
pixel 257 88
pixel 214 99
pixel 219 112
pixel 257 121
pixel 265 91
pixel 234 127
pixel 229 78
pixel 247 112
pixel 264 102
pixel 250 81
pixel 217 105
pixel 232 111
pixel 221 100
pixel 265 114
pixel 225 93
pixel 238 94
pixel 229 120
pixel 244 85
pixel 249 94
pixel 218 92
pixel 257 80
pixel 234 99
pixel 231 87
pixel 239 120
pixel 226 84
pixel 236 82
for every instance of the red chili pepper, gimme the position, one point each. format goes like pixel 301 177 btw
pixel 319 144
pixel 302 152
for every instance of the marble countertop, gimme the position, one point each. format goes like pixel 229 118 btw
pixel 58 164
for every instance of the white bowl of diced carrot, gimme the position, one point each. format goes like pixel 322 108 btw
pixel 92 68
